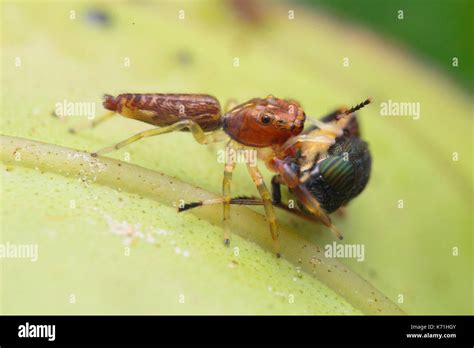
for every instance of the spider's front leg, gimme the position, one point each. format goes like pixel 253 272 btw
pixel 198 133
pixel 267 204
pixel 228 169
pixel 104 117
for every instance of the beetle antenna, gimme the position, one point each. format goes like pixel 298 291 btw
pixel 359 106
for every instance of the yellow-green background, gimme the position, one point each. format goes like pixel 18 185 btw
pixel 408 251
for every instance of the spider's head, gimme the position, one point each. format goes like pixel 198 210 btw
pixel 264 122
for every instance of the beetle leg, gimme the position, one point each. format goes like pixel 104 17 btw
pixel 267 204
pixel 276 200
pixel 290 178
pixel 276 190
pixel 195 129
pixel 313 206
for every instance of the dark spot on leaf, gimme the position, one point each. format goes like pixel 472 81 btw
pixel 97 17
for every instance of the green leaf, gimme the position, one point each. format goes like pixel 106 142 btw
pixel 80 211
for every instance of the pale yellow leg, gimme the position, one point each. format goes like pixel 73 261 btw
pixel 230 104
pixel 228 169
pixel 195 129
pixel 94 123
pixel 267 203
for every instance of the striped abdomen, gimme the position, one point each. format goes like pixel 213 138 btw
pixel 167 109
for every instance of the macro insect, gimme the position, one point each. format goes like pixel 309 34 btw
pixel 324 166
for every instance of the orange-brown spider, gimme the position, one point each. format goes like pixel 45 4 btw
pixel 272 126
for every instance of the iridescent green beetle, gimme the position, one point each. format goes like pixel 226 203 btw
pixel 345 170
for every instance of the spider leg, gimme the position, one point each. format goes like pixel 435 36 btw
pixel 247 201
pixel 267 204
pixel 228 169
pixel 97 120
pixel 198 133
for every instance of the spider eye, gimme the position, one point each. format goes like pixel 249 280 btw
pixel 266 119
